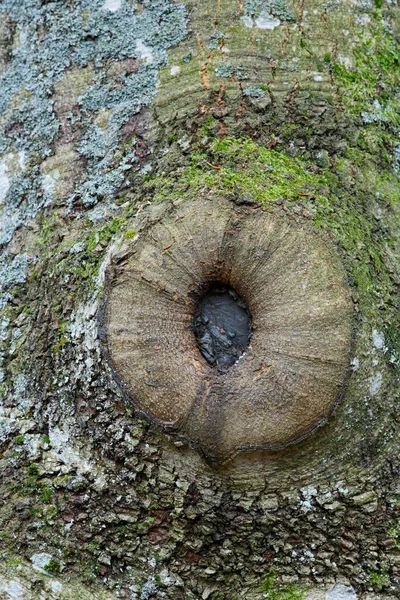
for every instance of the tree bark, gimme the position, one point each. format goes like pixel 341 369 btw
pixel 115 114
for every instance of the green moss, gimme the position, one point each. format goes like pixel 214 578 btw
pixel 130 234
pixel 60 344
pixel 53 567
pixel 49 512
pixel 48 226
pixel 35 512
pixel 78 262
pixel 40 489
pixel 242 166
pixel 274 591
pixel 370 89
pixel 61 481
pixel 394 534
pixel 46 494
pixel 376 64
pixel 242 169
pixel 103 235
pixel 379 579
pixel 143 526
pixel 30 483
pixel 92 548
pixel 33 469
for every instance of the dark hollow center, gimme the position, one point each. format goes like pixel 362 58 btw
pixel 222 325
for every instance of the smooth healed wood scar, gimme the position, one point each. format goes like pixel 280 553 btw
pixel 289 374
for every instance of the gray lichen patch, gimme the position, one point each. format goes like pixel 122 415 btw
pixel 266 14
pixel 61 52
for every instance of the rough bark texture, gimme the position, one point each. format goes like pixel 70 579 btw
pixel 108 107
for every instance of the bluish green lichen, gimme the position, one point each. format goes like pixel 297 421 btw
pixel 216 39
pixel 53 38
pixel 12 272
pixel 277 8
pixel 227 69
pixel 20 390
pixel 254 92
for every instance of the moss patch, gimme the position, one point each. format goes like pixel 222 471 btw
pixel 248 172
pixel 375 73
pixel 369 89
pixel 274 591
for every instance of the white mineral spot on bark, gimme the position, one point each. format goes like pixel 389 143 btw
pixel 267 21
pixel 13 588
pixel 340 591
pixel 112 5
pixel 78 247
pixel 56 586
pixel 376 384
pixel 10 165
pixel 363 20
pixel 355 363
pixel 144 52
pixel 247 21
pixel 305 505
pixel 318 78
pixel 345 61
pixel 175 70
pixel 68 526
pixel 309 491
pixel 83 325
pixel 4 323
pixel 32 444
pixel 100 483
pixel 378 340
pixel 41 561
pixel 4 181
pixel 49 181
pixel 22 160
pixel 63 451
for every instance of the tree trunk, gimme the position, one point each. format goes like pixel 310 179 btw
pixel 139 140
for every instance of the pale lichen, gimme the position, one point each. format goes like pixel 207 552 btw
pixel 77 37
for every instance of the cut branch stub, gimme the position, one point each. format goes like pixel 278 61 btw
pixel 293 372
pixel 222 325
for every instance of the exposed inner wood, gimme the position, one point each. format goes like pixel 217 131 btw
pixel 290 378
